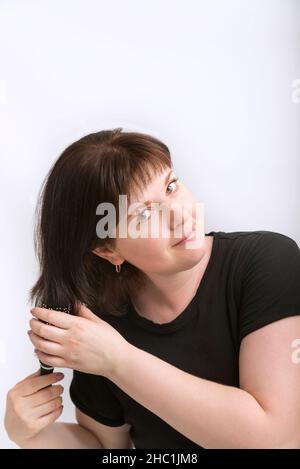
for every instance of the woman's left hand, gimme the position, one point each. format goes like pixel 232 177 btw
pixel 84 343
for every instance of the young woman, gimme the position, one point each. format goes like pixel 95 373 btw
pixel 171 347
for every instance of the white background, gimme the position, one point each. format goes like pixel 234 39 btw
pixel 212 79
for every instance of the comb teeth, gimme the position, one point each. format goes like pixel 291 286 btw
pixel 57 308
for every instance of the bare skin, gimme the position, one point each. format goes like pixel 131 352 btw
pixel 162 303
pixel 173 273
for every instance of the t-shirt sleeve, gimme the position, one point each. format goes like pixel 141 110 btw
pixel 92 395
pixel 271 282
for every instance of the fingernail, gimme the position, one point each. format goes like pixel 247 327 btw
pixel 60 375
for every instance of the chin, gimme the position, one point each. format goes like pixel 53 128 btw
pixel 188 258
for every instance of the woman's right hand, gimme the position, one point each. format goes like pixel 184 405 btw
pixel 31 405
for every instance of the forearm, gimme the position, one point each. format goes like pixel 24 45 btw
pixel 210 414
pixel 62 435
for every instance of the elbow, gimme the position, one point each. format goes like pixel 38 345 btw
pixel 291 443
pixel 287 442
pixel 284 432
pixel 278 444
pixel 276 440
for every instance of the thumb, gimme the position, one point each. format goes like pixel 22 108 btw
pixel 86 313
pixel 32 375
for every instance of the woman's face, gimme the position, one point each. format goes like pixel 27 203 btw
pixel 172 222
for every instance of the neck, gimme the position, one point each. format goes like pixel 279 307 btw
pixel 165 296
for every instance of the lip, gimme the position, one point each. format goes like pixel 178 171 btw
pixel 187 238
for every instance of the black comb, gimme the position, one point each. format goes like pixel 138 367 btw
pixel 46 369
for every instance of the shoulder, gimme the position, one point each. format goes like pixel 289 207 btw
pixel 243 250
pixel 255 238
pixel 270 281
pixel 272 249
pixel 273 238
pixel 255 247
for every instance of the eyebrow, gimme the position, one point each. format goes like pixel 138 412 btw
pixel 148 202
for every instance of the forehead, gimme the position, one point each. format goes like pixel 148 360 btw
pixel 156 182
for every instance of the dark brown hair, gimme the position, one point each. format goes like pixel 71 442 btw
pixel 96 168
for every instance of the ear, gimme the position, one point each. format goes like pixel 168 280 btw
pixel 109 254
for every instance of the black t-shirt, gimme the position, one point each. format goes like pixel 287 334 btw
pixel 252 279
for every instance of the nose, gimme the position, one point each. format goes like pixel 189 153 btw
pixel 181 221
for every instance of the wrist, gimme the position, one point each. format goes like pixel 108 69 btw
pixel 120 360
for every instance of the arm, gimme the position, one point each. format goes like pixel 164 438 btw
pixel 61 435
pixel 86 434
pixel 110 437
pixel 263 413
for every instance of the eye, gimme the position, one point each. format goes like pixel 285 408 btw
pixel 145 214
pixel 172 182
pixel 141 216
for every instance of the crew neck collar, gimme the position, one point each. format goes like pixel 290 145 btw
pixel 188 311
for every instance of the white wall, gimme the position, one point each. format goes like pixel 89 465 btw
pixel 213 79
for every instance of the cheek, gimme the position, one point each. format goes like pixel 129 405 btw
pixel 144 252
pixel 147 247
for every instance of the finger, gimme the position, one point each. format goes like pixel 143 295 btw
pixel 85 312
pixel 32 375
pixel 49 418
pixel 46 346
pixel 45 408
pixel 44 395
pixel 55 318
pixel 55 334
pixel 51 360
pixel 39 382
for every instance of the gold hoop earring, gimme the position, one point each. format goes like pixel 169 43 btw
pixel 118 268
